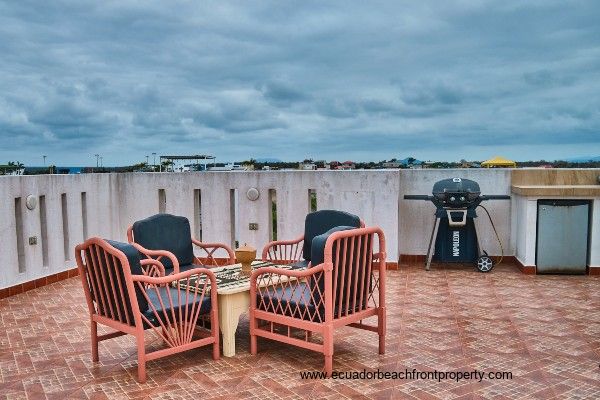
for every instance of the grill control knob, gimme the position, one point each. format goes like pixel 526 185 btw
pixel 462 198
pixel 452 198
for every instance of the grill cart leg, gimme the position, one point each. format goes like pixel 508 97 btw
pixel 431 248
pixel 479 249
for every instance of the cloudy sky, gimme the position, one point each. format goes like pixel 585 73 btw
pixel 292 80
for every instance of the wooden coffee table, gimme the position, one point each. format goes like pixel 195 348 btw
pixel 233 292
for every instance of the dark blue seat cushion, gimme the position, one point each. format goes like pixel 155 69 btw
pixel 166 232
pixel 187 267
pixel 321 221
pixel 300 264
pixel 301 304
pixel 297 298
pixel 187 302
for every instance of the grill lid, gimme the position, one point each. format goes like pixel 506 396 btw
pixel 456 185
pixel 456 192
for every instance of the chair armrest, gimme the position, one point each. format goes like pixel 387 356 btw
pixel 284 251
pixel 156 267
pixel 210 249
pixel 151 280
pixel 157 255
pixel 304 273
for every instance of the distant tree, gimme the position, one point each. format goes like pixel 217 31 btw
pixel 15 164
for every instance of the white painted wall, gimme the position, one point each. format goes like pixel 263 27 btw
pixel 101 221
pixel 115 201
pixel 524 220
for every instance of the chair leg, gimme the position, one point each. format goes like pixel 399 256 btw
pixel 141 353
pixel 328 350
pixel 253 338
pixel 328 365
pixel 381 330
pixel 215 332
pixel 216 349
pixel 381 344
pixel 94 334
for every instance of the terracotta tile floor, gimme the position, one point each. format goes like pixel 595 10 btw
pixel 543 329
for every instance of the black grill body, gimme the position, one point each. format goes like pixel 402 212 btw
pixel 456 244
pixel 455 200
pixel 454 235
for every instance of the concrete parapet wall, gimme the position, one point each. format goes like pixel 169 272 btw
pixel 114 201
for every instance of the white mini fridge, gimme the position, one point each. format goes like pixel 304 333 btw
pixel 562 236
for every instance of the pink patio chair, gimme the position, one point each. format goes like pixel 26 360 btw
pixel 297 251
pixel 133 297
pixel 339 288
pixel 168 238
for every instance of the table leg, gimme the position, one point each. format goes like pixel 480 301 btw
pixel 231 306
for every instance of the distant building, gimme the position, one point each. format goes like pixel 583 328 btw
pixel 322 164
pixel 411 162
pixel 347 165
pixel 391 164
pixel 307 166
pixel 181 163
pixel 228 167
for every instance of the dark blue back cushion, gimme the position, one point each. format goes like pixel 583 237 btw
pixel 354 279
pixel 136 269
pixel 166 232
pixel 318 255
pixel 321 221
pixel 317 251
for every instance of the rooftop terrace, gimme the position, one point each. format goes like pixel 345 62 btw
pixel 543 329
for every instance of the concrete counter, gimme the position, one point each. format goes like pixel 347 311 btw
pixel 557 190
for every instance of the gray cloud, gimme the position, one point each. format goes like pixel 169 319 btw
pixel 282 94
pixel 319 79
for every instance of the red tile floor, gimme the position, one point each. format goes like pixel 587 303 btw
pixel 543 329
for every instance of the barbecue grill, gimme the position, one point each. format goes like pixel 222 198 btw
pixel 454 229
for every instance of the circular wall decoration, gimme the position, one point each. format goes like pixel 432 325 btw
pixel 253 194
pixel 31 202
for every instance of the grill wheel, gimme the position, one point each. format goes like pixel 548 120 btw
pixel 484 264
